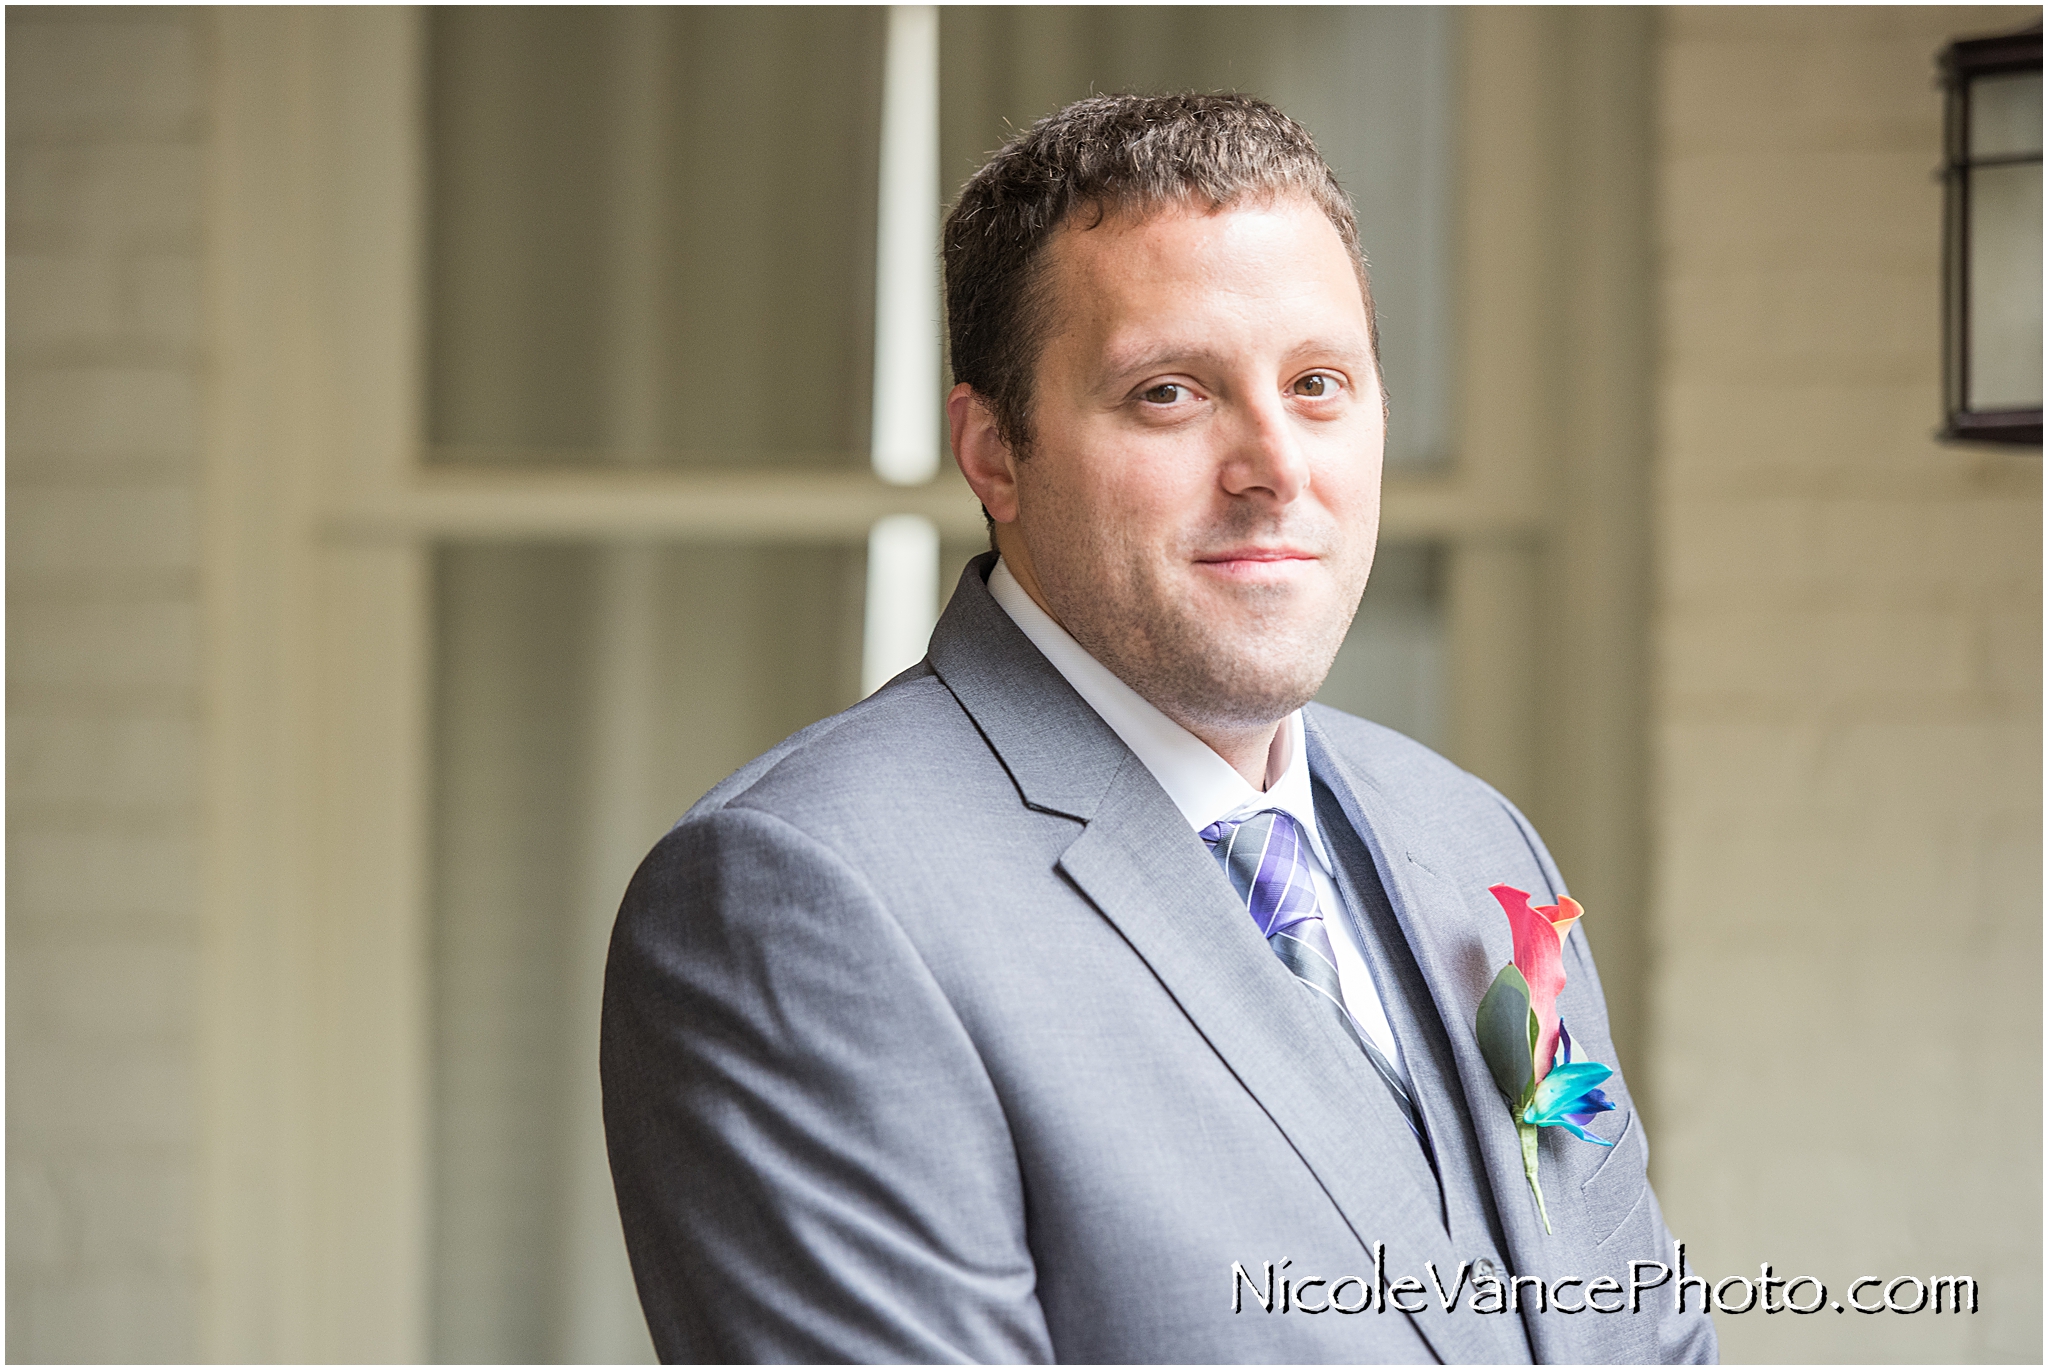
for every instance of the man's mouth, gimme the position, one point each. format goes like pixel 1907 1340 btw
pixel 1253 562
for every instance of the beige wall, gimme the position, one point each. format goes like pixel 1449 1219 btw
pixel 104 172
pixel 1846 942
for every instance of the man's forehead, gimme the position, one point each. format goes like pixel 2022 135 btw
pixel 1156 285
pixel 1274 239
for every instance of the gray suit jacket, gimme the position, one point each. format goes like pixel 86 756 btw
pixel 935 1034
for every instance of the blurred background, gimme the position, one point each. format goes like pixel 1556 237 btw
pixel 442 443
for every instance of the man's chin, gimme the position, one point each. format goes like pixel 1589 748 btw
pixel 1255 597
pixel 1251 696
pixel 1239 659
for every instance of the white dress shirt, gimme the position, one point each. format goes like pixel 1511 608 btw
pixel 1205 787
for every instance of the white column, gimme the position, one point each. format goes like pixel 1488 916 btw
pixel 904 441
pixel 903 596
pixel 903 549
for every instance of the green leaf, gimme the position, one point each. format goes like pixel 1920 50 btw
pixel 1506 1038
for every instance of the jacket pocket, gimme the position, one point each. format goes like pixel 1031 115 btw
pixel 1615 1190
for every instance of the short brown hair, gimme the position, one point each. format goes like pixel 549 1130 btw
pixel 1103 155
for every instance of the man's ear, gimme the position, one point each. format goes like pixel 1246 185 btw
pixel 984 458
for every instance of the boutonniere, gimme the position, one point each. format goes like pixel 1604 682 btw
pixel 1521 1035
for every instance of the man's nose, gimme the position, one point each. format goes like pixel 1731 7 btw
pixel 1266 454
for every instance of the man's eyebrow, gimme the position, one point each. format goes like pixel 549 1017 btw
pixel 1122 365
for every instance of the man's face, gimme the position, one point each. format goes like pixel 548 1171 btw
pixel 1200 501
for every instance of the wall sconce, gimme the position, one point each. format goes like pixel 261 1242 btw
pixel 1991 239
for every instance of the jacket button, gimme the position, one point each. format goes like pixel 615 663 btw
pixel 1483 1266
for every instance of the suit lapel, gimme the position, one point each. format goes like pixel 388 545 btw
pixel 1460 941
pixel 1059 752
pixel 1139 863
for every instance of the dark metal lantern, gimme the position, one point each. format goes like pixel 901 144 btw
pixel 1991 240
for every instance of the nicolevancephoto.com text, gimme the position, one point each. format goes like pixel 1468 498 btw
pixel 1480 1287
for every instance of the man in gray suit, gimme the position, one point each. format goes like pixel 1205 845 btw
pixel 1085 994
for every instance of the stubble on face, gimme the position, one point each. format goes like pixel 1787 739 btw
pixel 1244 657
pixel 1122 520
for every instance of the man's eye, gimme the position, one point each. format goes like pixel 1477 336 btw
pixel 1315 387
pixel 1165 393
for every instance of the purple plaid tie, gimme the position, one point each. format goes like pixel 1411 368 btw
pixel 1267 859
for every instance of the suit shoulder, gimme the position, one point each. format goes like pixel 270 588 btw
pixel 1427 785
pixel 860 759
pixel 1430 788
pixel 1394 760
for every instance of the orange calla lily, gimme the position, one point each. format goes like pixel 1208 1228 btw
pixel 1539 954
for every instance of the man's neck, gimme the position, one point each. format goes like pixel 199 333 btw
pixel 1256 753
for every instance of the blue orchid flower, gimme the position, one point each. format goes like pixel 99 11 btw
pixel 1567 1097
pixel 1592 1102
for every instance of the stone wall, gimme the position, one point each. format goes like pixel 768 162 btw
pixel 1847 951
pixel 105 149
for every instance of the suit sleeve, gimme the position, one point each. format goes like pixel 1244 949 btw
pixel 810 1159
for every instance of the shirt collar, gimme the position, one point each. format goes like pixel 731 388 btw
pixel 1201 784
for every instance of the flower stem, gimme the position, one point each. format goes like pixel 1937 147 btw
pixel 1528 1132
